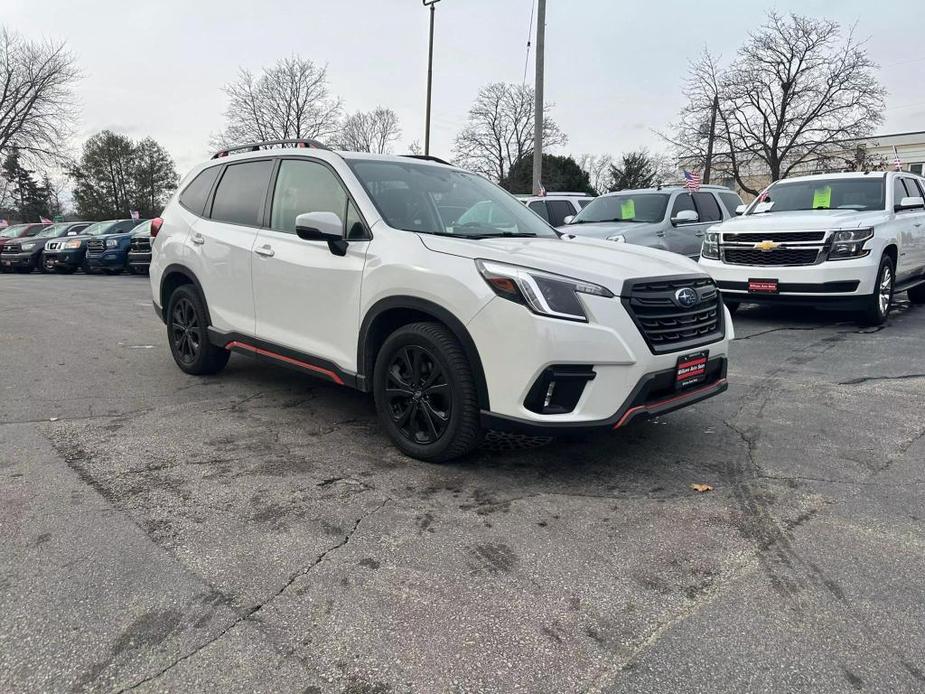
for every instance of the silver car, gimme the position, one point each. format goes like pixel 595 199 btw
pixel 668 217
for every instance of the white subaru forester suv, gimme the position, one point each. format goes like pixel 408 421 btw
pixel 842 241
pixel 354 268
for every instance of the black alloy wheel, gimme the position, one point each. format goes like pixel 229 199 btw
pixel 187 333
pixel 417 395
pixel 184 330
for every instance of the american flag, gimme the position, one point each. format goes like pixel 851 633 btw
pixel 897 162
pixel 135 215
pixel 691 181
pixel 542 190
pixel 4 223
pixel 44 220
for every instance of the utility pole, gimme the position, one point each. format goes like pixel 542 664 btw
pixel 707 166
pixel 538 96
pixel 430 75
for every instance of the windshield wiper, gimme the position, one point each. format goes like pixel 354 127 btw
pixel 504 234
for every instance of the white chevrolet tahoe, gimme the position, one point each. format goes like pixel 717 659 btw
pixel 842 241
pixel 354 268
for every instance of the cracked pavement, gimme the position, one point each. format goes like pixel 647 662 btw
pixel 256 531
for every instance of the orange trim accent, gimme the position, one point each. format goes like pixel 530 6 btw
pixel 659 403
pixel 289 360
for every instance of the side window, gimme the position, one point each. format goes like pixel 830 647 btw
pixel 356 230
pixel 305 186
pixel 899 191
pixel 682 202
pixel 539 207
pixel 730 201
pixel 912 188
pixel 707 207
pixel 584 203
pixel 194 195
pixel 558 211
pixel 241 192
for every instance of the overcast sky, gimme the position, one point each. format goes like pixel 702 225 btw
pixel 614 68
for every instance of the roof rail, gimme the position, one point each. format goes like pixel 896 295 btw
pixel 266 144
pixel 427 157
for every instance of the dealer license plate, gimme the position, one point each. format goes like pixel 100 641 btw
pixel 757 286
pixel 691 370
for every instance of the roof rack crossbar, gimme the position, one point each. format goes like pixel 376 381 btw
pixel 427 157
pixel 266 144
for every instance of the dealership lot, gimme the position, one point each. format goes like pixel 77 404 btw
pixel 256 531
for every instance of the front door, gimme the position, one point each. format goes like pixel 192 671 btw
pixel 306 298
pixel 685 238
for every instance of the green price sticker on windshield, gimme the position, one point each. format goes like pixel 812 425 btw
pixel 628 209
pixel 822 197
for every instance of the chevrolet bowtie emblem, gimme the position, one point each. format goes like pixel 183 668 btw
pixel 766 246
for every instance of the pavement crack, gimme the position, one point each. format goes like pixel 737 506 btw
pixel 866 379
pixel 783 329
pixel 254 609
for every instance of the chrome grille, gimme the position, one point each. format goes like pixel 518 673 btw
pixel 780 256
pixel 95 246
pixel 781 237
pixel 10 248
pixel 141 245
pixel 668 327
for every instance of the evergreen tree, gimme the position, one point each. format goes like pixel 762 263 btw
pixel 559 174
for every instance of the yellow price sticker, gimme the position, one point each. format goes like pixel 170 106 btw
pixel 628 209
pixel 822 197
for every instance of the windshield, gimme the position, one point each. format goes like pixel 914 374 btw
pixel 98 228
pixel 625 207
pixel 13 232
pixel 143 229
pixel 433 200
pixel 53 230
pixel 822 194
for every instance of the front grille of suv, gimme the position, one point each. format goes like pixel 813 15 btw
pixel 95 246
pixel 780 256
pixel 664 323
pixel 141 245
pixel 10 248
pixel 781 237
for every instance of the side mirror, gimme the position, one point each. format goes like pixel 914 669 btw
pixel 910 204
pixel 568 219
pixel 322 226
pixel 685 217
pixel 740 209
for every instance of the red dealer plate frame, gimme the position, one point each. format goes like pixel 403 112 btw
pixel 763 286
pixel 691 370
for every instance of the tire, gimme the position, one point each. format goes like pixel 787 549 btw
pixel 187 334
pixel 917 294
pixel 40 266
pixel 733 306
pixel 437 422
pixel 877 303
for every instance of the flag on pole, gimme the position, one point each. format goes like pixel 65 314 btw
pixel 135 215
pixel 542 190
pixel 45 220
pixel 4 224
pixel 691 181
pixel 897 162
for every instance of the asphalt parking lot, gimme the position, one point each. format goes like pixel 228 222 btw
pixel 257 532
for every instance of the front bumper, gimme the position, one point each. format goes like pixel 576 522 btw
pixel 139 260
pixel 13 260
pixel 835 283
pixel 107 259
pixel 516 348
pixel 72 258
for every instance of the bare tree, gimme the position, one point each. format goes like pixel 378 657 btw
pixel 795 94
pixel 290 99
pixel 373 131
pixel 598 170
pixel 415 148
pixel 499 131
pixel 37 107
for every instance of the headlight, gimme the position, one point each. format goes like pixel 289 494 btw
pixel 543 293
pixel 710 248
pixel 850 244
pixel 619 238
pixel 71 244
pixel 27 246
pixel 112 243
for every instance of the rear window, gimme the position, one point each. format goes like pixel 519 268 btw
pixel 195 194
pixel 241 193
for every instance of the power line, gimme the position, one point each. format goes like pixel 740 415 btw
pixel 529 34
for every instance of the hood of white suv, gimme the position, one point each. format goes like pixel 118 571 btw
pixel 602 262
pixel 805 220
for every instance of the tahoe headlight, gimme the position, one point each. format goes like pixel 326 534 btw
pixel 112 243
pixel 850 244
pixel 71 244
pixel 619 238
pixel 27 246
pixel 541 292
pixel 710 248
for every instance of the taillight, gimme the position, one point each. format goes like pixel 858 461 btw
pixel 156 226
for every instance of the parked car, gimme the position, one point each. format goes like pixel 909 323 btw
pixel 341 265
pixel 139 251
pixel 15 235
pixel 842 241
pixel 109 251
pixel 669 217
pixel 25 255
pixel 67 255
pixel 556 207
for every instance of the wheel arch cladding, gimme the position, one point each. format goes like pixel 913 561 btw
pixel 387 315
pixel 893 252
pixel 176 276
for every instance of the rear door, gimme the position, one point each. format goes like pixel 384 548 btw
pixel 307 299
pixel 224 241
pixel 916 228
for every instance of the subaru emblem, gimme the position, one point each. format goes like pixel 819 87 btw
pixel 686 297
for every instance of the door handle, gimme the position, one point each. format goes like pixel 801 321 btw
pixel 198 239
pixel 265 251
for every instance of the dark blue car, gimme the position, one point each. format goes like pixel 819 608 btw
pixel 109 251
